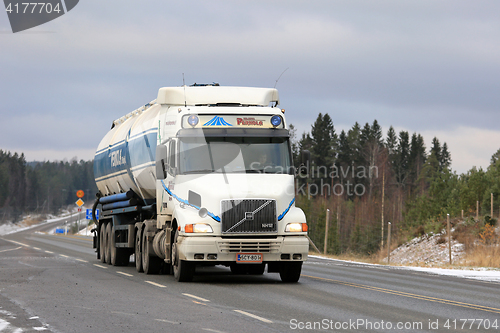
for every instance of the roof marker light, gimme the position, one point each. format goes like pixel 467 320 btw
pixel 193 120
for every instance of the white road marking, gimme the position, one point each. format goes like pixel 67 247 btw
pixel 123 273
pixel 62 255
pixel 36 248
pixel 22 244
pixel 123 313
pixel 81 260
pixel 17 248
pixel 168 321
pixel 100 266
pixel 196 297
pixel 211 330
pixel 48 252
pixel 156 284
pixel 254 316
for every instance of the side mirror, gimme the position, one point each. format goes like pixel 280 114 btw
pixel 161 158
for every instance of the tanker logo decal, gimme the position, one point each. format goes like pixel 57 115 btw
pixel 117 159
pixel 217 121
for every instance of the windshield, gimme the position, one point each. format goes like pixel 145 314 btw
pixel 234 155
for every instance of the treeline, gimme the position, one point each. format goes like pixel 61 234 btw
pixel 366 180
pixel 41 187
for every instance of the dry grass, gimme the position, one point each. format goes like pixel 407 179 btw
pixel 29 221
pixel 483 256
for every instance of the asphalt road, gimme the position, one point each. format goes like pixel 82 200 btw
pixel 55 283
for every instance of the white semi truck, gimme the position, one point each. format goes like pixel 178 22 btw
pixel 202 175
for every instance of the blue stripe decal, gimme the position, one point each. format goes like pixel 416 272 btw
pixel 126 155
pixel 215 217
pixel 286 211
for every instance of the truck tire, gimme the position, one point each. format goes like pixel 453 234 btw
pixel 119 256
pixel 290 271
pixel 150 264
pixel 138 252
pixel 107 240
pixel 102 242
pixel 183 270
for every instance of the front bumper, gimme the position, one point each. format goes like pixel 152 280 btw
pixel 282 248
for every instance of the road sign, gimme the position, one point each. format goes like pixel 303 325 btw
pixel 88 214
pixel 79 202
pixel 80 193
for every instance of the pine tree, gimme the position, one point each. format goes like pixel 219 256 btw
pixel 445 160
pixel 417 157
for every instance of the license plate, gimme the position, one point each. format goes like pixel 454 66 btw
pixel 249 257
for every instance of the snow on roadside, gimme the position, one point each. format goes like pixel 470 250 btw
pixel 428 250
pixel 10 228
pixel 484 274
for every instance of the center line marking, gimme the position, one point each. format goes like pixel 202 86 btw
pixel 62 255
pixel 100 266
pixel 36 248
pixel 81 260
pixel 254 316
pixel 196 297
pixel 123 273
pixel 409 295
pixel 156 284
pixel 48 252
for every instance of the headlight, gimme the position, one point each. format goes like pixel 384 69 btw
pixel 198 228
pixel 296 227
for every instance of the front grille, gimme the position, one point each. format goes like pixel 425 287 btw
pixel 248 246
pixel 248 216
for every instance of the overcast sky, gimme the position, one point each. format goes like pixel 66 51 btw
pixel 431 67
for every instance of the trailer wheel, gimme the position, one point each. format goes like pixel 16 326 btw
pixel 107 238
pixel 290 271
pixel 119 256
pixel 150 264
pixel 102 242
pixel 138 252
pixel 183 270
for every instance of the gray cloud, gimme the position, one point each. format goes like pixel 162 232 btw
pixel 422 66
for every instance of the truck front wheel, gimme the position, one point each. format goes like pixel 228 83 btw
pixel 290 271
pixel 183 270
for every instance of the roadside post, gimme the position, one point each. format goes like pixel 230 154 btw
pixel 449 234
pixel 388 243
pixel 326 230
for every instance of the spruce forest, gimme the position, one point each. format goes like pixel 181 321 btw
pixel 364 178
pixel 41 187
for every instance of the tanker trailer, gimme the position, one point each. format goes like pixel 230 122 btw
pixel 202 175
